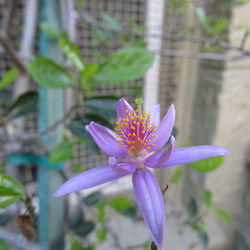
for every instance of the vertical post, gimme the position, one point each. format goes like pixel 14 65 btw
pixel 154 18
pixel 51 210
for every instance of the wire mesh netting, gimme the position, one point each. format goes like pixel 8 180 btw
pixel 126 13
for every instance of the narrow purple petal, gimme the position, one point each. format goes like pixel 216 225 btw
pixel 164 129
pixel 161 157
pixel 105 139
pixel 87 179
pixel 185 155
pixel 123 167
pixel 155 114
pixel 150 200
pixel 121 107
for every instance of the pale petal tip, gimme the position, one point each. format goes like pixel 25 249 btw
pixel 225 151
pixel 57 193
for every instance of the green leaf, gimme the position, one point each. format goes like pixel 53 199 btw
pixel 4 191
pixel 88 73
pixel 78 168
pixel 62 152
pixel 101 211
pixel 221 25
pixel 200 226
pixel 131 212
pixel 201 14
pixel 176 176
pixel 111 22
pixel 106 105
pixel 93 199
pixel 223 215
pixel 6 201
pixel 49 74
pixel 72 52
pixel 192 208
pixel 120 204
pixel 203 239
pixel 75 244
pixel 8 78
pixel 76 218
pixel 5 219
pixel 207 165
pixel 5 245
pixel 9 182
pixel 84 228
pixel 125 65
pixel 23 105
pixel 101 234
pixel 207 198
pixel 52 31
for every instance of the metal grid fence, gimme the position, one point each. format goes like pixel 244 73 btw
pixel 123 12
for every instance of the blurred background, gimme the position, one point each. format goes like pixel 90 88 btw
pixel 65 63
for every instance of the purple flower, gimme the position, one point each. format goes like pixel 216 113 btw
pixel 136 138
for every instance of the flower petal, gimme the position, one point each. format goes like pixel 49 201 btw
pixel 155 114
pixel 150 200
pixel 190 154
pixel 161 157
pixel 87 179
pixel 123 105
pixel 105 139
pixel 123 167
pixel 164 129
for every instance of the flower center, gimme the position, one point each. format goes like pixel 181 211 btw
pixel 135 131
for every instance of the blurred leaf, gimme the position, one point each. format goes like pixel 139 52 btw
pixel 192 208
pixel 101 234
pixel 4 219
pixel 201 14
pixel 223 215
pixel 111 22
pixel 49 74
pixel 203 239
pixel 75 244
pixel 84 228
pixel 120 204
pixel 90 247
pixel 102 36
pixel 6 201
pixel 9 182
pixel 125 65
pixel 101 211
pixel 80 4
pixel 106 105
pixel 92 199
pixel 78 168
pixel 72 52
pixel 131 212
pixel 62 152
pixel 141 43
pixel 176 176
pixel 52 31
pixel 207 165
pixel 4 191
pixel 88 73
pixel 219 26
pixel 207 198
pixel 8 78
pixel 135 90
pixel 23 105
pixel 200 226
pixel 77 127
pixel 76 218
pixel 5 245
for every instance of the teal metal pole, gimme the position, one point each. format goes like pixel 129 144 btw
pixel 51 210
